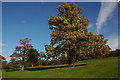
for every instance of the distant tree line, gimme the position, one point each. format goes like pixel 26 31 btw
pixel 70 42
pixel 16 63
pixel 35 58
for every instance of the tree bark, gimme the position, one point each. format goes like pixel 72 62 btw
pixel 71 58
pixel 22 67
pixel 69 61
pixel 32 65
pixel 22 64
pixel 69 64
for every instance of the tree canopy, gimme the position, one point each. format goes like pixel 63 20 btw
pixel 32 56
pixel 20 51
pixel 70 35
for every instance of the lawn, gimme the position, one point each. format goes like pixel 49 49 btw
pixel 94 68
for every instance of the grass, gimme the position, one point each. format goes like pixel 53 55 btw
pixel 94 68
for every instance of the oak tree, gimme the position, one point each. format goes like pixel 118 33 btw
pixel 70 35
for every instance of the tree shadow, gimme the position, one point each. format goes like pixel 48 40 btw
pixel 12 70
pixel 45 68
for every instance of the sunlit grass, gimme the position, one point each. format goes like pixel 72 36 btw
pixel 94 68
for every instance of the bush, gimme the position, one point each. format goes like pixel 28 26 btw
pixel 115 53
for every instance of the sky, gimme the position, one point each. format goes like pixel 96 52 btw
pixel 30 19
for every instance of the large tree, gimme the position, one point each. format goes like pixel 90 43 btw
pixel 70 35
pixel 20 51
pixel 32 56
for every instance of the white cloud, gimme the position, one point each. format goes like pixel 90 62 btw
pixel 106 10
pixel 113 42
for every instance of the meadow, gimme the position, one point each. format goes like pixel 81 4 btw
pixel 93 68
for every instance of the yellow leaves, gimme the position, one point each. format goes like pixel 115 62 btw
pixel 65 21
pixel 72 33
pixel 71 12
pixel 91 33
pixel 28 45
pixel 24 55
pixel 66 6
pixel 71 37
pixel 79 9
pixel 50 50
pixel 57 20
pixel 67 42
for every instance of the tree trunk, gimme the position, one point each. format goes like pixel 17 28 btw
pixel 69 64
pixel 71 58
pixel 22 67
pixel 22 63
pixel 32 65
pixel 69 61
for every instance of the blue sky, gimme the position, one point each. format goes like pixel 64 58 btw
pixel 30 19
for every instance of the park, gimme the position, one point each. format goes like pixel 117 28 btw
pixel 73 51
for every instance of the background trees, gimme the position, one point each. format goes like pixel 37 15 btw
pixel 32 56
pixel 70 35
pixel 20 51
pixel 3 63
pixel 63 59
pixel 115 53
pixel 14 63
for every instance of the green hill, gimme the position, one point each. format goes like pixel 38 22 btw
pixel 94 68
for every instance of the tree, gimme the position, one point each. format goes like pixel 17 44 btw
pixel 20 51
pixel 1 58
pixel 70 35
pixel 55 61
pixel 63 59
pixel 14 63
pixel 32 56
pixel 3 63
pixel 115 53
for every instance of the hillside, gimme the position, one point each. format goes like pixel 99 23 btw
pixel 94 68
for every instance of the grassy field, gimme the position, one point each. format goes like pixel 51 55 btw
pixel 97 68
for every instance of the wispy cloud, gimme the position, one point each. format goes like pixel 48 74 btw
pixel 106 10
pixel 113 42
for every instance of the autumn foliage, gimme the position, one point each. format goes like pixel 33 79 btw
pixel 70 35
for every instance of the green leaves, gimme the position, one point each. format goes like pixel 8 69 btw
pixel 32 56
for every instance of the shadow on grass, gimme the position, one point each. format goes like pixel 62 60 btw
pixel 12 70
pixel 45 68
